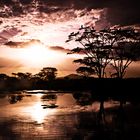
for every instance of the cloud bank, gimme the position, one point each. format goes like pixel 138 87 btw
pixel 23 22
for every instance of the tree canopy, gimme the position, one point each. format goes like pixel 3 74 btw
pixel 117 47
pixel 48 73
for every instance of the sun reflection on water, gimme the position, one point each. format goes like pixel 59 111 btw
pixel 36 111
pixel 38 114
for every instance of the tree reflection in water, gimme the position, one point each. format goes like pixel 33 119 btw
pixel 86 98
pixel 14 98
pixel 78 124
pixel 49 101
pixel 83 98
pixel 37 111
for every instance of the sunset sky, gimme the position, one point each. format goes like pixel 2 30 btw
pixel 33 32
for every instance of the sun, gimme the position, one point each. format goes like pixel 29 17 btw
pixel 34 54
pixel 37 54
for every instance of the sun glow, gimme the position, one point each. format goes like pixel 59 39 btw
pixel 36 111
pixel 37 54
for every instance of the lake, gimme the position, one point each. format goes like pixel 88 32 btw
pixel 50 115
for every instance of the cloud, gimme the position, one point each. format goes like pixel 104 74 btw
pixel 60 49
pixel 23 22
pixel 102 22
pixel 47 26
pixel 122 12
pixel 64 50
pixel 9 63
pixel 52 21
pixel 8 33
pixel 13 44
pixel 49 32
pixel 8 66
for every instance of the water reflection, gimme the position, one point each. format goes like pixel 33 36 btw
pixel 26 118
pixel 83 98
pixel 36 111
pixel 14 98
pixel 49 101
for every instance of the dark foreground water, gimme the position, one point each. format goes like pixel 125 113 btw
pixel 58 116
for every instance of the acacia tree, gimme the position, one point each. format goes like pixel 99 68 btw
pixel 85 71
pixel 95 47
pixel 116 46
pixel 48 73
pixel 125 49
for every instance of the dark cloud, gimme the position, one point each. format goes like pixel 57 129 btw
pixel 58 48
pixel 14 44
pixel 62 49
pixel 124 12
pixel 22 44
pixel 5 35
pixel 102 23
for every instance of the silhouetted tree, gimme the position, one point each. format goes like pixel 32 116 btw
pixel 85 71
pixel 125 49
pixel 21 75
pixel 83 98
pixel 48 73
pixel 49 101
pixel 115 46
pixel 95 47
pixel 24 79
pixel 121 45
pixel 15 98
pixel 12 83
pixel 3 76
pixel 3 79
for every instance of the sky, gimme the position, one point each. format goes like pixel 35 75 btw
pixel 33 32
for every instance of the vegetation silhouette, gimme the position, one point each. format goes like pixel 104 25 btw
pixel 49 101
pixel 47 73
pixel 14 98
pixel 83 98
pixel 85 71
pixel 95 48
pixel 117 47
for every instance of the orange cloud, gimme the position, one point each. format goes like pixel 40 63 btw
pixel 58 48
pixel 5 62
pixel 13 44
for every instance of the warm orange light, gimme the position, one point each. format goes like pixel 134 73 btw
pixel 38 55
pixel 36 111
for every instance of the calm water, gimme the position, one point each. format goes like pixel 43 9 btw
pixel 55 116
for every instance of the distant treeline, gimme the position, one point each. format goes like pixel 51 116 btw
pixel 103 85
pixel 100 89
